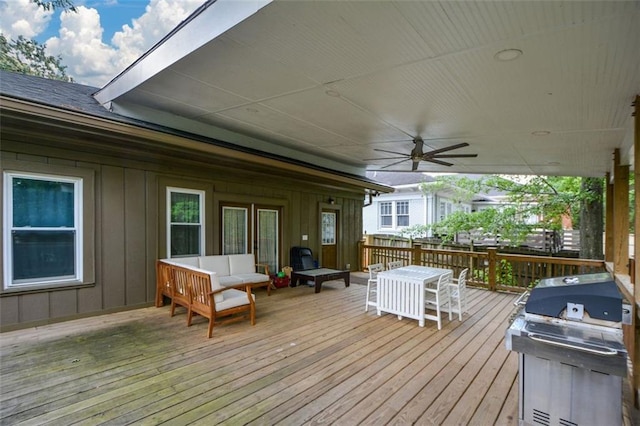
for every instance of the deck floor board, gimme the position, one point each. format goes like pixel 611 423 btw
pixel 310 359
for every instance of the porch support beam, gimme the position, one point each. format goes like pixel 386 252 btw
pixel 620 216
pixel 608 231
pixel 635 360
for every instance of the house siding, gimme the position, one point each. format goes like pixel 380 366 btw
pixel 130 230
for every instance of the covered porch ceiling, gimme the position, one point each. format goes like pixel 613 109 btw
pixel 534 87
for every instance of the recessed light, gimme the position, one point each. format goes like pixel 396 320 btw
pixel 541 133
pixel 332 93
pixel 508 55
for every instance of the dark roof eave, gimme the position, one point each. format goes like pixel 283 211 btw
pixel 126 126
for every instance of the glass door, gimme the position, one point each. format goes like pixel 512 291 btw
pixel 267 240
pixel 235 230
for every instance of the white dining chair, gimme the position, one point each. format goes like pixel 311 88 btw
pixel 437 298
pixel 372 285
pixel 458 294
pixel 395 264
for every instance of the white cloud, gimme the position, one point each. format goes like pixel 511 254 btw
pixel 160 17
pixel 91 61
pixel 22 17
pixel 80 45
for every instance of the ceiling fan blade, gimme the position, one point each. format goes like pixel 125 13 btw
pixel 385 158
pixel 443 163
pixel 392 152
pixel 453 156
pixel 448 148
pixel 393 164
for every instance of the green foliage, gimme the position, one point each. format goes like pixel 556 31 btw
pixel 415 231
pixel 458 193
pixel 55 4
pixel 504 225
pixel 26 56
pixel 504 274
pixel 187 211
pixel 549 198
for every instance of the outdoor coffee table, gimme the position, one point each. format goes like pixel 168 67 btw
pixel 318 276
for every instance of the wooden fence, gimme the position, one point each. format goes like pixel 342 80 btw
pixel 488 269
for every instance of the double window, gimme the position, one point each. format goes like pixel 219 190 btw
pixel 44 232
pixel 394 214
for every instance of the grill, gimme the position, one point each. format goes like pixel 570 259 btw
pixel 572 358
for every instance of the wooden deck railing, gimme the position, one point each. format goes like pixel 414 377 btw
pixel 488 269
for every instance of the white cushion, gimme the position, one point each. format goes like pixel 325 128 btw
pixel 191 261
pixel 213 277
pixel 233 298
pixel 230 280
pixel 252 278
pixel 215 285
pixel 219 264
pixel 241 264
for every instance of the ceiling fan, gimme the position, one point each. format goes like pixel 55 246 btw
pixel 418 155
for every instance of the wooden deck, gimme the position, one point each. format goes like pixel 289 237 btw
pixel 310 359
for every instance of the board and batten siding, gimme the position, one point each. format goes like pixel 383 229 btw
pixel 130 234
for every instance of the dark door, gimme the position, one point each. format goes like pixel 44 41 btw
pixel 330 239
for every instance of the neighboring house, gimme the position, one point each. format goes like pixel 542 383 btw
pixel 91 199
pixel 408 205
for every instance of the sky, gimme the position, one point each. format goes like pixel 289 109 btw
pixel 102 38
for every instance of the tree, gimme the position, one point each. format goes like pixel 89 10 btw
pixel 549 198
pixel 28 56
pixel 591 213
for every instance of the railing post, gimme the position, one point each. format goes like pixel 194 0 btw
pixel 415 254
pixel 492 256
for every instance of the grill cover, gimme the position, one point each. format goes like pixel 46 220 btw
pixel 598 293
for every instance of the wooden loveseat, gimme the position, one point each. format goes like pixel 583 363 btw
pixel 201 291
pixel 231 270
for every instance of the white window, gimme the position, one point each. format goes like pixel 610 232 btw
pixel 394 214
pixel 43 242
pixel 328 228
pixel 446 208
pixel 386 214
pixel 185 233
pixel 402 213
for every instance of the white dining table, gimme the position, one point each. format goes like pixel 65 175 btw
pixel 401 291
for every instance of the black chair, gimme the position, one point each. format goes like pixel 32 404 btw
pixel 302 259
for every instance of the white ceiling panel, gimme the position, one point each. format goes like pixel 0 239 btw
pixel 342 80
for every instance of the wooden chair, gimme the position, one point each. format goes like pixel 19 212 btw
pixel 209 299
pixel 458 294
pixel 163 282
pixel 372 284
pixel 437 298
pixel 179 287
pixel 395 264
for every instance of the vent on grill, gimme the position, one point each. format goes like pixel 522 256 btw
pixel 564 422
pixel 540 417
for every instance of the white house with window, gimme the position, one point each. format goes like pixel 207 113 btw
pixel 408 205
